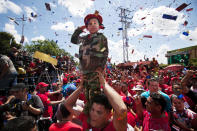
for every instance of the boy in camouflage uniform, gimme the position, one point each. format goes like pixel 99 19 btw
pixel 93 53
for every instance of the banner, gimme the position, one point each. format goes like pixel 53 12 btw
pixel 45 57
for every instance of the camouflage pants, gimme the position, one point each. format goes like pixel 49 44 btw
pixel 92 87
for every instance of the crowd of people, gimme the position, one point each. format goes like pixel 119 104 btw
pixel 142 98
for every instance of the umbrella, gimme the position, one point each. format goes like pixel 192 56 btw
pixel 174 67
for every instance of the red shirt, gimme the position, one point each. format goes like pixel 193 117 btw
pixel 121 93
pixel 82 97
pixel 55 97
pixel 131 119
pixel 68 126
pixel 155 123
pixel 86 126
pixel 163 86
pixel 48 110
pixel 166 79
pixel 169 90
pixel 2 100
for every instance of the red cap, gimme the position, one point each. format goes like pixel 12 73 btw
pixel 65 80
pixel 41 84
pixel 95 15
pixel 72 76
pixel 32 65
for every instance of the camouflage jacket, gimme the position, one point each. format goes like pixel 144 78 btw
pixel 93 51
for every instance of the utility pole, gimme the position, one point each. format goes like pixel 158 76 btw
pixel 22 19
pixel 22 37
pixel 126 21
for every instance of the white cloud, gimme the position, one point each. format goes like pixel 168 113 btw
pixel 136 31
pixel 10 28
pixel 191 37
pixel 116 52
pixel 38 38
pixel 52 5
pixel 67 26
pixel 6 5
pixel 154 22
pixel 161 53
pixel 76 7
pixel 28 11
pixel 136 56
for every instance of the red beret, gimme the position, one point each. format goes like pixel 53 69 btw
pixel 95 15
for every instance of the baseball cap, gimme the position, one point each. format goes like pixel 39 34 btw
pixel 69 88
pixel 138 88
pixel 41 84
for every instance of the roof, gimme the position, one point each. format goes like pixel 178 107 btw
pixel 129 64
pixel 182 49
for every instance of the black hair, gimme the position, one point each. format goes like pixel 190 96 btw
pixel 159 99
pixel 102 99
pixel 23 123
pixel 153 79
pixel 143 100
pixel 64 111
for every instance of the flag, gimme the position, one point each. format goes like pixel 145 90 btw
pixel 143 18
pixel 148 36
pixel 132 51
pixel 45 57
pixel 120 28
pixel 32 14
pixel 171 17
pixel 185 23
pixel 189 9
pixel 48 6
pixel 186 33
pixel 181 7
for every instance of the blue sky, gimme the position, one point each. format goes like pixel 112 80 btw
pixel 66 15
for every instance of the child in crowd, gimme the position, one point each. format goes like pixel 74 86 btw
pixel 93 53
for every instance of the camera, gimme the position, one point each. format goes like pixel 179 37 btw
pixel 15 107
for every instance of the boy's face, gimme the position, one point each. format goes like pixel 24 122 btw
pixel 93 26
pixel 178 104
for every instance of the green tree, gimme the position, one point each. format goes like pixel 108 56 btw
pixel 5 39
pixel 47 46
